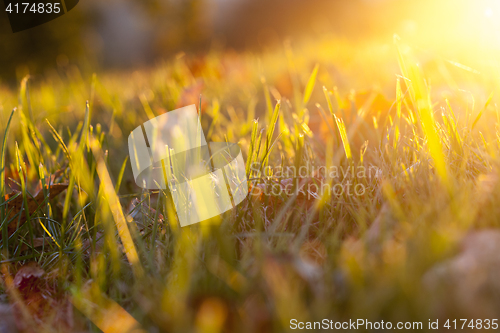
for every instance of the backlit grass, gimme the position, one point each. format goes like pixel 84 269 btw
pixel 119 255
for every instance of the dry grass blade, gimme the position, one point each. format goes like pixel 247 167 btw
pixel 105 313
pixel 114 204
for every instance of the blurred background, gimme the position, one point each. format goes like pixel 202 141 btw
pixel 130 33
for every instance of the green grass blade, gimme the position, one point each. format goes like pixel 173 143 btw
pixel 310 85
pixel 251 149
pixel 343 136
pixel 2 184
pixel 120 175
pixel 270 129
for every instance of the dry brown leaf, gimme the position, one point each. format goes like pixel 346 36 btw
pixel 37 242
pixel 40 300
pixel 191 95
pixel 16 204
pixel 12 180
pixel 28 276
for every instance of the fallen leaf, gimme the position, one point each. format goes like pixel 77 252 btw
pixel 191 95
pixel 15 205
pixel 28 276
pixel 37 242
pixel 40 300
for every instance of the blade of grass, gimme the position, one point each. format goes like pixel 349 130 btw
pixel 343 136
pixel 120 175
pixel 482 110
pixel 310 85
pixel 251 149
pixel 2 185
pixel 116 209
pixel 270 130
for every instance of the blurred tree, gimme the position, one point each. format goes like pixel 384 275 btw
pixel 119 33
pixel 108 33
pixel 39 47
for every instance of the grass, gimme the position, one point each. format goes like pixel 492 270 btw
pixel 120 257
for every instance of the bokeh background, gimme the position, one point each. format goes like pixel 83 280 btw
pixel 125 33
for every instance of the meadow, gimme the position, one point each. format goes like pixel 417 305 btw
pixel 84 249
